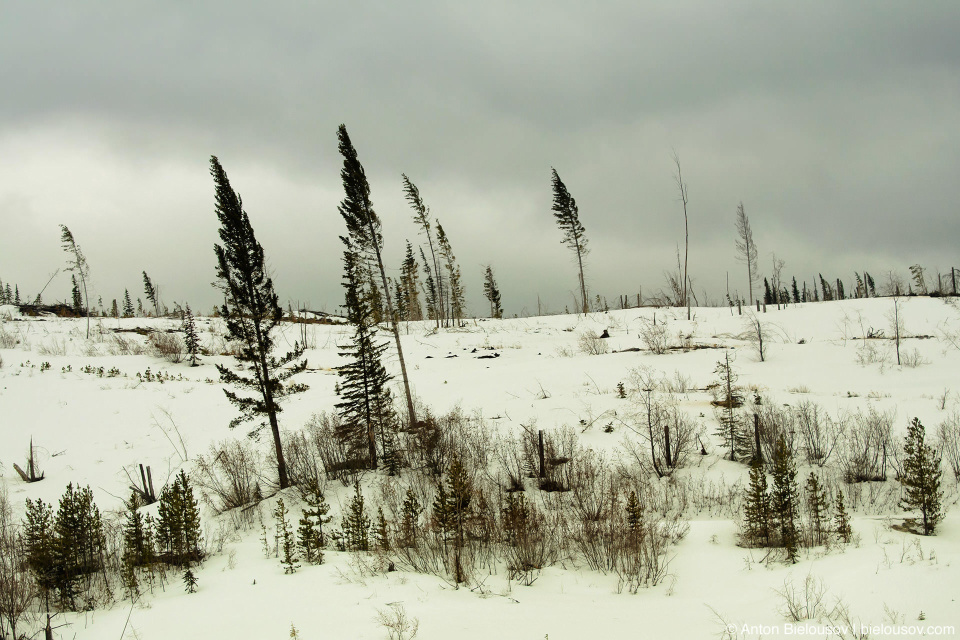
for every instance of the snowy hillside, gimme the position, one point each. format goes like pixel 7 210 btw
pixel 97 408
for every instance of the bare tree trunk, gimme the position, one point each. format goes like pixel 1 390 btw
pixel 686 230
pixel 583 285
pixel 395 326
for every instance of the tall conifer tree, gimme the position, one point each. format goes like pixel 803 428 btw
pixel 421 215
pixel 363 227
pixel 568 219
pixel 251 312
pixel 492 293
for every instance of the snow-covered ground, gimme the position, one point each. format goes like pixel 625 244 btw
pixel 93 418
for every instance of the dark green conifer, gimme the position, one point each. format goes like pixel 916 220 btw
pixel 251 312
pixel 310 534
pixel 756 508
pixel 363 229
pixel 492 293
pixel 366 406
pixel 410 519
pixel 178 532
pixel 841 520
pixel 921 478
pixel 568 219
pixel 381 531
pixel 817 510
pixel 190 338
pixel 285 539
pixel 784 499
pixel 356 523
pixel 151 292
pixel 127 304
pixel 189 581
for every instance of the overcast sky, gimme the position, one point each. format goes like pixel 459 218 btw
pixel 836 123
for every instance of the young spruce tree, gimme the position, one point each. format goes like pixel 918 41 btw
pixel 251 312
pixel 921 478
pixel 492 293
pixel 363 227
pixel 190 338
pixel 784 499
pixel 756 508
pixel 366 405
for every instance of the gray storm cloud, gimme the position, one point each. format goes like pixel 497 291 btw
pixel 834 123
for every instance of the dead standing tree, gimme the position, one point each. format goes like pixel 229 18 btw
pixel 684 199
pixel 746 249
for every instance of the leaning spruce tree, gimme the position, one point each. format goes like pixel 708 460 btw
pixel 251 312
pixel 568 219
pixel 492 293
pixel 76 264
pixel 421 216
pixel 363 227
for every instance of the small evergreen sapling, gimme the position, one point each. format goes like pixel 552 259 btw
pixel 410 519
pixel 189 581
pixel 817 510
pixel 285 539
pixel 784 499
pixel 634 513
pixel 310 534
pixel 756 509
pixel 356 524
pixel 178 534
pixel 190 338
pixel 381 531
pixel 735 438
pixel 841 520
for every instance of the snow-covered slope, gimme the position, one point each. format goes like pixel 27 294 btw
pixel 94 413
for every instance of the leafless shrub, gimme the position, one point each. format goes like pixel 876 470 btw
pixel 597 530
pixel 333 453
pixel 303 462
pixel 866 446
pixel 679 383
pixel 819 433
pixel 169 346
pixel 668 437
pixel 775 423
pixel 17 587
pixel 758 335
pixel 125 346
pixel 592 344
pixel 870 353
pixel 55 346
pixel 913 359
pixel 654 335
pixel 804 603
pixel 229 476
pixel 398 624
pixel 949 435
pixel 8 340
